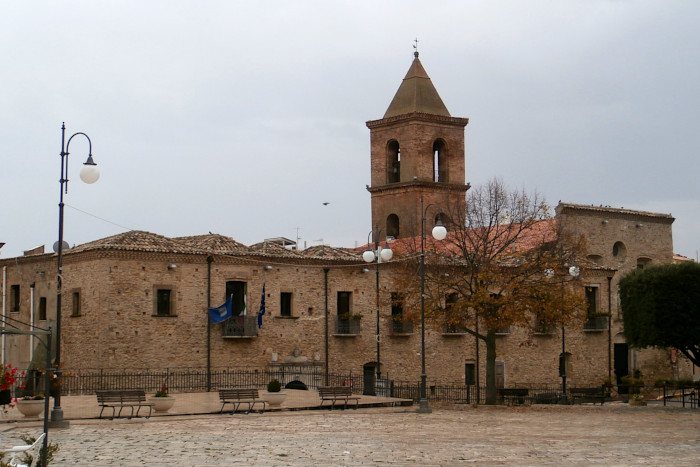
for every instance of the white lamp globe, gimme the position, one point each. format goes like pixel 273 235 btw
pixel 89 173
pixel 574 271
pixel 439 232
pixel 386 254
pixel 368 256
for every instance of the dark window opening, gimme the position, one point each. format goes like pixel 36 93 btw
pixel 470 374
pixel 163 301
pixel 439 162
pixel 344 301
pixel 238 290
pixel 399 325
pixel 76 304
pixel 393 162
pixel 286 304
pixel 42 308
pixel 392 226
pixel 14 297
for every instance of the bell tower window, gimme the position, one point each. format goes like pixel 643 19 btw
pixel 392 226
pixel 393 162
pixel 439 161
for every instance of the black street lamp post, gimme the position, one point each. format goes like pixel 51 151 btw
pixel 439 233
pixel 379 255
pixel 574 272
pixel 88 174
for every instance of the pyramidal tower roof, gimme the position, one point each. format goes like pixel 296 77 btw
pixel 416 94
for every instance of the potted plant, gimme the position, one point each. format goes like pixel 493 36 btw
pixel 161 400
pixel 274 395
pixel 31 406
pixel 637 400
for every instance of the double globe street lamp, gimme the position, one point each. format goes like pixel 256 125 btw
pixel 574 272
pixel 378 255
pixel 439 233
pixel 88 174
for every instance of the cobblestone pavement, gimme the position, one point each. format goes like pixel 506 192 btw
pixel 613 434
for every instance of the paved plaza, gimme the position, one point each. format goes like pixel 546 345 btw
pixel 614 434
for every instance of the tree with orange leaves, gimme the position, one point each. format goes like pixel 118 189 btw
pixel 503 263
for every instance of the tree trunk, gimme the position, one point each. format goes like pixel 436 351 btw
pixel 491 391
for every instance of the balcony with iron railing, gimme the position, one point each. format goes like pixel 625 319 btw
pixel 400 327
pixel 347 326
pixel 543 328
pixel 240 327
pixel 596 323
pixel 453 329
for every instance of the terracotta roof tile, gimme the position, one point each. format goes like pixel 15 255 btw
pixel 137 240
pixel 215 244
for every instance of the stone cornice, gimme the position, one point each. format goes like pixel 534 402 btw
pixel 419 116
pixel 417 185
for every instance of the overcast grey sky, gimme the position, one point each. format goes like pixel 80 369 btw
pixel 243 118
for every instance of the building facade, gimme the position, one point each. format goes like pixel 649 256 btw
pixel 141 300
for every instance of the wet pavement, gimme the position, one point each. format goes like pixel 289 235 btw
pixel 613 434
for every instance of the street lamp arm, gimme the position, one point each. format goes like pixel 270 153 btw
pixel 89 143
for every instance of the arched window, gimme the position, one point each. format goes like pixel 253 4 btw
pixel 643 262
pixel 439 161
pixel 393 159
pixel 392 226
pixel 619 250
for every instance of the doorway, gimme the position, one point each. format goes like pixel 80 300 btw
pixel 369 379
pixel 621 362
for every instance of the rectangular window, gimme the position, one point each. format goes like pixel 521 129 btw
pixel 242 323
pixel 592 300
pixel 398 324
pixel 238 290
pixel 344 303
pixel 76 303
pixel 285 304
pixel 596 320
pixel 42 308
pixel 14 298
pixel 165 301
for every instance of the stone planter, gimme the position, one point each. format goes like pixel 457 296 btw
pixel 162 404
pixel 637 403
pixel 30 408
pixel 275 399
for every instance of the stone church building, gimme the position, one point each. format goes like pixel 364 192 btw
pixel 139 300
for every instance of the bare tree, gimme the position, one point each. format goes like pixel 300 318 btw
pixel 503 263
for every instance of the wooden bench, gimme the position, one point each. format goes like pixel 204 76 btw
pixel 132 398
pixel 595 394
pixel 337 394
pixel 238 396
pixel 513 396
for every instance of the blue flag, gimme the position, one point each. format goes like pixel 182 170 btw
pixel 223 312
pixel 262 307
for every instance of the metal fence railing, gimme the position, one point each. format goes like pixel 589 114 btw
pixel 87 381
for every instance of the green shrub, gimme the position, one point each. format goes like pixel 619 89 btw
pixel 274 386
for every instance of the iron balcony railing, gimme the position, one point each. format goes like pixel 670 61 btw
pixel 596 323
pixel 401 327
pixel 347 326
pixel 240 326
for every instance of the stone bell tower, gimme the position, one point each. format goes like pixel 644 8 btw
pixel 417 150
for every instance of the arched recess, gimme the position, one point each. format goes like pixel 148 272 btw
pixel 597 259
pixel 440 172
pixel 392 226
pixel 643 261
pixel 619 250
pixel 393 162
